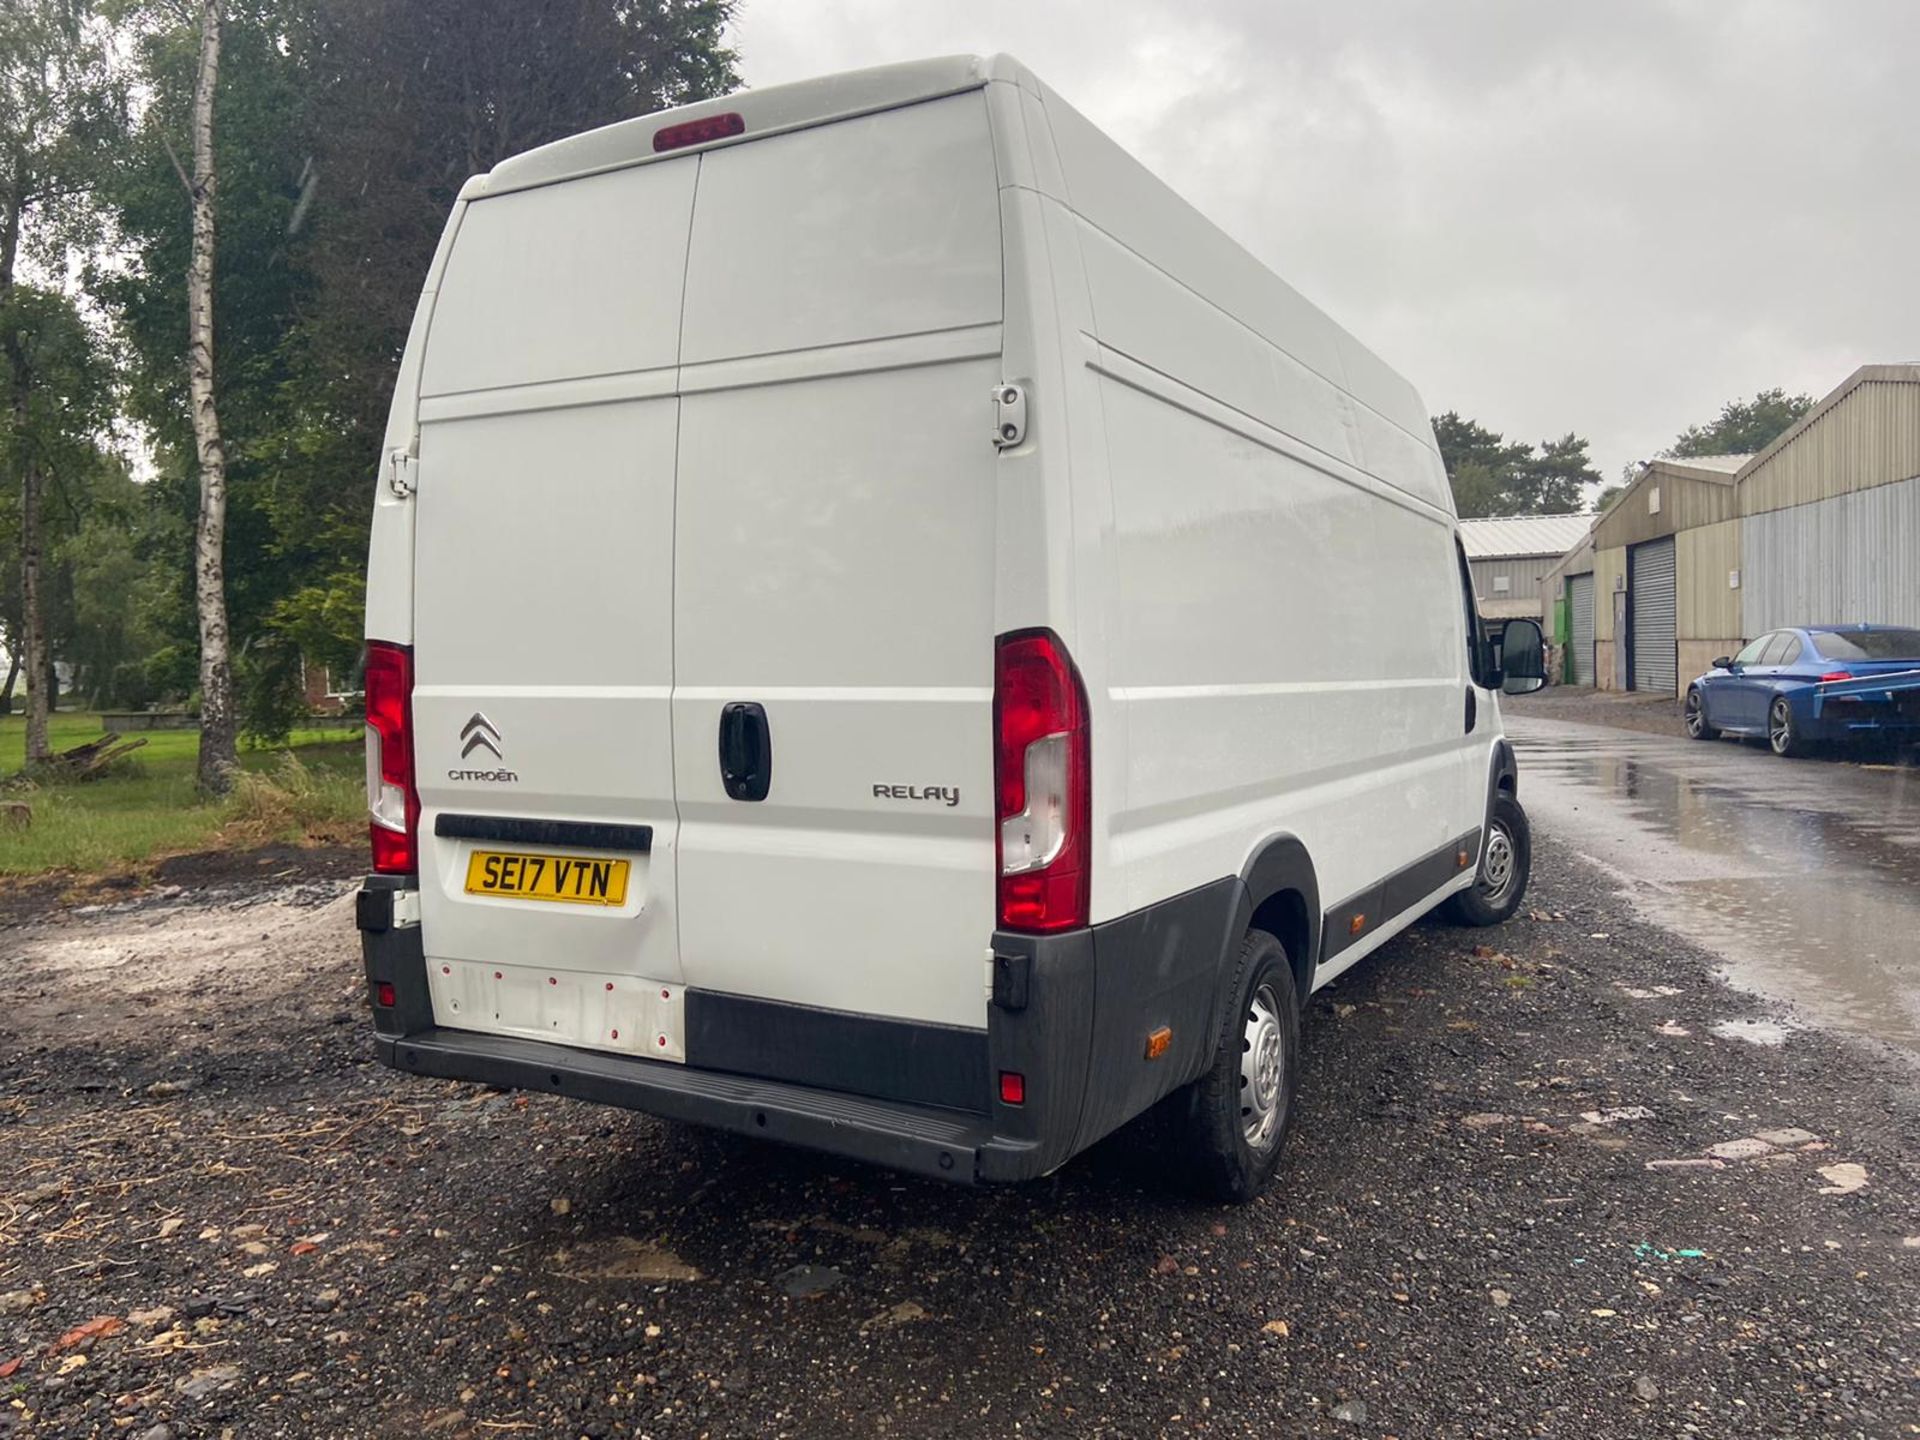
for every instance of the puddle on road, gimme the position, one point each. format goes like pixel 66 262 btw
pixel 1803 876
pixel 1755 1032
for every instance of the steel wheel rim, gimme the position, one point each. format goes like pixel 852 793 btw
pixel 1497 865
pixel 1696 712
pixel 1262 1060
pixel 1779 727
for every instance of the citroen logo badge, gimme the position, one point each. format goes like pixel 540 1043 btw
pixel 480 733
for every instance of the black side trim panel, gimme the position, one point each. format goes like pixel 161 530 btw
pixel 1161 967
pixel 1359 916
pixel 920 1064
pixel 1284 865
pixel 514 830
pixel 1045 1040
pixel 938 1143
pixel 1503 774
pixel 392 956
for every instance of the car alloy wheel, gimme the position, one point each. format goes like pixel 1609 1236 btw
pixel 1780 727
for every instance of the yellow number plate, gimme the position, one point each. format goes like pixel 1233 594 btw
pixel 570 879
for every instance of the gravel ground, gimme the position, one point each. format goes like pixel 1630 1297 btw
pixel 1626 709
pixel 1502 1215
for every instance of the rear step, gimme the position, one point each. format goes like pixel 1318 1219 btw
pixel 943 1144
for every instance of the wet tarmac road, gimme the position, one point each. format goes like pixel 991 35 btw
pixel 1803 876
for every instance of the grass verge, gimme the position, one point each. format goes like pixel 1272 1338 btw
pixel 310 791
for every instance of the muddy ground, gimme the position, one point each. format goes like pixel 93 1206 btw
pixel 1530 1194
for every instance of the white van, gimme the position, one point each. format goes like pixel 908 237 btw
pixel 889 632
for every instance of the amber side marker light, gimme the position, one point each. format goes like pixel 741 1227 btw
pixel 1356 925
pixel 1461 859
pixel 1159 1042
pixel 699 132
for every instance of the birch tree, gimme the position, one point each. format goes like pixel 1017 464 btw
pixel 219 725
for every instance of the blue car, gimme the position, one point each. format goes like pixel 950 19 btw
pixel 1798 688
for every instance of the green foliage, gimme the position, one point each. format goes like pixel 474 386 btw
pixel 312 790
pixel 1743 427
pixel 1608 494
pixel 1491 475
pixel 345 128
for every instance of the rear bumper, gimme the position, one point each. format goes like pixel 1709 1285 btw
pixel 945 1144
pixel 1069 1013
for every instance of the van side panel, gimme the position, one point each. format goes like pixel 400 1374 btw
pixel 1118 196
pixel 834 564
pixel 1288 642
pixel 390 545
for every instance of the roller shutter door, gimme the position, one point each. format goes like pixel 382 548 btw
pixel 1650 587
pixel 1580 637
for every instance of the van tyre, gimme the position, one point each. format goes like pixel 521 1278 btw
pixel 1241 1110
pixel 1506 863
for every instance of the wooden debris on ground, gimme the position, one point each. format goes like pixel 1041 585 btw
pixel 85 762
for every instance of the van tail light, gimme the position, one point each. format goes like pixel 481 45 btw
pixel 1835 675
pixel 393 804
pixel 1043 784
pixel 703 131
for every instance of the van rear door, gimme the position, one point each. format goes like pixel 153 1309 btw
pixel 834 565
pixel 544 613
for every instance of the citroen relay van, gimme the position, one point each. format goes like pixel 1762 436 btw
pixel 889 632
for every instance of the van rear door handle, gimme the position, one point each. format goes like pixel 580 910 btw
pixel 746 750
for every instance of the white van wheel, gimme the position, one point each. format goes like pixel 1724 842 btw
pixel 1506 864
pixel 1242 1108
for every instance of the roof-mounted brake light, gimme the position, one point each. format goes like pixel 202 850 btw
pixel 699 132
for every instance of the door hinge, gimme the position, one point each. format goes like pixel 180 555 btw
pixel 403 473
pixel 1009 415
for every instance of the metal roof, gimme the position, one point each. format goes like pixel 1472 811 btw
pixel 1720 464
pixel 1506 535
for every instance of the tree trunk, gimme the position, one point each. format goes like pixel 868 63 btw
pixel 218 724
pixel 32 598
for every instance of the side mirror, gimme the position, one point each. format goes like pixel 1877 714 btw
pixel 1523 657
pixel 1723 662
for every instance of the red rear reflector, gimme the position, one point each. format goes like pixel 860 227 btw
pixel 1013 1088
pixel 1833 675
pixel 383 995
pixel 1042 782
pixel 393 804
pixel 699 132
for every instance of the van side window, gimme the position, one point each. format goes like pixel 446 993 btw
pixel 1479 653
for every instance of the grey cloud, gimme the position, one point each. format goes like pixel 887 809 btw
pixel 1602 217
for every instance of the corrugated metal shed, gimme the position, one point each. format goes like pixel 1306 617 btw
pixel 1866 433
pixel 1503 535
pixel 1671 495
pixel 1837 561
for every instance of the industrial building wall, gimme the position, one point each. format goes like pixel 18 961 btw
pixel 1710 607
pixel 1684 504
pixel 1853 557
pixel 1870 437
pixel 1524 574
pixel 1609 574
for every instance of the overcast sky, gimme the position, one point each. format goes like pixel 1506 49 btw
pixel 1608 216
